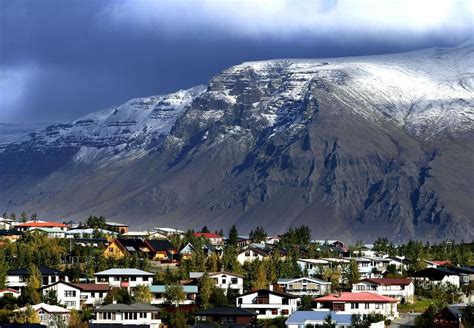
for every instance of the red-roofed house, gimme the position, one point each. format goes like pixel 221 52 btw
pixel 40 224
pixel 214 238
pixel 401 289
pixel 435 264
pixel 359 303
pixel 9 291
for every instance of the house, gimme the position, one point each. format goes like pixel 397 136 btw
pixel 449 316
pixel 402 289
pixel 441 275
pixel 268 304
pixel 124 314
pixel 228 317
pixel 305 286
pixel 371 266
pixel 359 303
pixel 159 294
pixel 123 247
pixel 315 267
pixel 436 263
pixel 75 296
pixel 17 278
pixel 6 224
pixel 11 235
pixel 48 314
pixel 224 280
pixel 40 224
pixel 399 262
pixel 168 231
pixel 87 233
pixel 9 292
pixel 252 253
pixel 126 277
pixel 187 251
pixel 214 238
pixel 316 318
pixel 49 232
pixel 162 250
pixel 116 226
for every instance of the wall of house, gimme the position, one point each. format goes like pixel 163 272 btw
pixel 132 281
pixel 66 295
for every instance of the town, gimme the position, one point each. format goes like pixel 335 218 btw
pixel 99 273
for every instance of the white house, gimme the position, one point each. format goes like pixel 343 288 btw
pixel 40 224
pixel 399 262
pixel 440 276
pixel 214 238
pixel 402 289
pixel 268 303
pixel 223 280
pixel 17 278
pixel 6 224
pixel 49 315
pixel 315 267
pixel 250 254
pixel 87 233
pixel 8 291
pixel 305 286
pixel 50 232
pixel 371 267
pixel 127 277
pixel 74 296
pixel 159 294
pixel 359 303
pixel 123 314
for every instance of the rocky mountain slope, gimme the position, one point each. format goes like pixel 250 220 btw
pixel 353 147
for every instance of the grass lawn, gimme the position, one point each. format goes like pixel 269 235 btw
pixel 420 305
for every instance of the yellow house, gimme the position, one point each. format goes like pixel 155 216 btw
pixel 120 248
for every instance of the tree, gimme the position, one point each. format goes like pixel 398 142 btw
pixel 306 303
pixel 51 298
pixel 205 229
pixel 468 316
pixel 3 270
pixel 178 320
pixel 34 217
pixel 425 320
pixel 212 263
pixel 142 294
pixel 29 315
pixel 96 222
pixel 258 235
pixel 354 274
pixel 357 321
pixel 174 294
pixel 205 290
pixel 23 216
pixel 33 284
pixel 260 281
pixel 233 236
pixel 328 322
pixel 120 295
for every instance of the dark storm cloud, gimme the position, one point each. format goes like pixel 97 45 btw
pixel 62 59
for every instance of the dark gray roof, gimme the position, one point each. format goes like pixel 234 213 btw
pixel 43 270
pixel 227 311
pixel 11 232
pixel 119 307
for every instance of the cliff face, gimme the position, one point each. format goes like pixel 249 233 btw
pixel 354 148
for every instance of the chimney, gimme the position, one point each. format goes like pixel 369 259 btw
pixel 270 287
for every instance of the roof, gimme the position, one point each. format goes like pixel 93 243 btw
pixel 11 232
pixel 123 272
pixel 42 224
pixel 43 270
pixel 227 311
pixel 9 290
pixel 188 289
pixel 300 317
pixel 206 235
pixel 436 273
pixel 83 287
pixel 226 273
pixel 441 263
pixel 267 291
pixel 290 280
pixel 48 230
pixel 132 245
pixel 355 297
pixel 46 307
pixel 162 245
pixel 389 281
pixel 115 224
pixel 120 307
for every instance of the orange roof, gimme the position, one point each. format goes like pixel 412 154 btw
pixel 355 297
pixel 206 234
pixel 442 263
pixel 42 224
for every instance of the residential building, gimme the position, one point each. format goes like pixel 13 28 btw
pixel 17 278
pixel 159 294
pixel 123 247
pixel 9 292
pixel 124 314
pixel 75 296
pixel 116 226
pixel 49 232
pixel 268 303
pixel 214 238
pixel 371 267
pixel 437 263
pixel 162 250
pixel 40 224
pixel 6 224
pixel 124 277
pixel 402 289
pixel 359 303
pixel 441 275
pixel 168 231
pixel 88 233
pixel 228 317
pixel 223 280
pixel 11 235
pixel 305 286
pixel 399 262
pixel 48 314
pixel 252 253
pixel 315 267
pixel 301 319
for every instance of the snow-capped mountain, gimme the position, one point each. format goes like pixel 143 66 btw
pixel 348 146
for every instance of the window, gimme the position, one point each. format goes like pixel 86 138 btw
pixel 116 278
pixel 111 250
pixel 70 304
pixel 133 278
pixel 224 281
pixel 377 306
pixel 353 305
pixel 247 253
pixel 239 300
pixel 284 301
pixel 284 312
pixel 233 281
pixel 274 311
pixel 366 306
pixel 69 293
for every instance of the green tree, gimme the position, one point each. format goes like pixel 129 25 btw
pixel 51 298
pixel 260 281
pixel 174 294
pixel 178 320
pixel 257 235
pixel 354 274
pixel 426 319
pixel 29 315
pixel 33 284
pixel 306 303
pixel 468 316
pixel 328 322
pixel 142 294
pixel 205 229
pixel 233 236
pixel 205 290
pixel 3 270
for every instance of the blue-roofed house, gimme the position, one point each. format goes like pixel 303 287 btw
pixel 300 319
pixel 159 294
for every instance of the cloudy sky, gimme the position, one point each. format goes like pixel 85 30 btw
pixel 62 59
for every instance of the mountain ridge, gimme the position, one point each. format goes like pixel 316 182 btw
pixel 347 146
